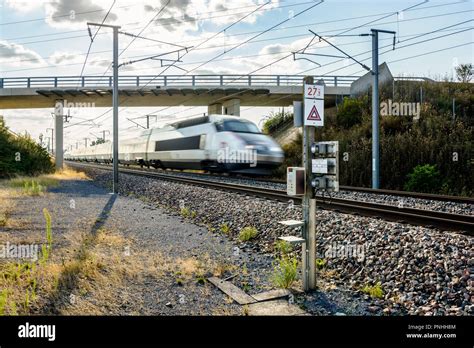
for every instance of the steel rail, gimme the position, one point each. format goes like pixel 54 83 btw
pixel 420 217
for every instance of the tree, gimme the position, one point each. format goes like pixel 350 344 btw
pixel 464 72
pixel 97 142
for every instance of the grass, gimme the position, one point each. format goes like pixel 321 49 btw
pixel 3 219
pixel 285 272
pixel 35 186
pixel 283 248
pixel 20 280
pixel 46 249
pixel 247 233
pixel 320 263
pixel 225 228
pixel 374 291
pixel 26 183
pixel 185 212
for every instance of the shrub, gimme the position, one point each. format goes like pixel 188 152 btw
pixel 276 120
pixel 21 155
pixel 247 233
pixel 350 113
pixel 424 178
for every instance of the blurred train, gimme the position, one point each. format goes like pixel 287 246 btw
pixel 214 143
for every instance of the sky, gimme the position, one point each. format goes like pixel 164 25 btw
pixel 50 38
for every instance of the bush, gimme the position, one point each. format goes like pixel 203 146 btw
pixel 276 120
pixel 404 144
pixel 424 179
pixel 350 113
pixel 20 155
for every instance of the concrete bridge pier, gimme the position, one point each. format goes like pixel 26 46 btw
pixel 214 109
pixel 58 130
pixel 232 107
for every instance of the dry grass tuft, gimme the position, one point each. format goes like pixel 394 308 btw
pixel 68 174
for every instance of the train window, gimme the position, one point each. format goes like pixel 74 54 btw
pixel 238 126
pixel 186 143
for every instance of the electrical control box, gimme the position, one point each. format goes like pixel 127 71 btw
pixel 295 181
pixel 324 166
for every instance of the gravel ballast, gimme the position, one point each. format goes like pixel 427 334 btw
pixel 398 201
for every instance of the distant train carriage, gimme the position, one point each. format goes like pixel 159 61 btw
pixel 214 143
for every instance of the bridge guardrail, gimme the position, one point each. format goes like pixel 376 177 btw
pixel 152 81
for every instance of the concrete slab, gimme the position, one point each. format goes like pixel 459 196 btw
pixel 275 307
pixel 234 292
pixel 271 295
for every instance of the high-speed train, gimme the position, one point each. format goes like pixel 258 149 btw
pixel 214 143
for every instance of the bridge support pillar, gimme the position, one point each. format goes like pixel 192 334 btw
pixel 232 107
pixel 58 129
pixel 214 109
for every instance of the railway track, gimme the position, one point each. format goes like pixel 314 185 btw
pixel 427 218
pixel 426 196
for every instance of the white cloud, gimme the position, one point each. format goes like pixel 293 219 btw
pixel 25 5
pixel 17 55
pixel 62 57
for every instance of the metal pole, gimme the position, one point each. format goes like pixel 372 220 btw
pixel 115 112
pixel 115 102
pixel 375 110
pixel 309 210
pixel 58 126
pixel 147 121
pixel 51 147
pixel 85 140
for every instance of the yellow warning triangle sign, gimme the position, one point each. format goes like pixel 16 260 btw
pixel 314 115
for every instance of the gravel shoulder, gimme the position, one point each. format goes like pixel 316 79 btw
pixel 128 255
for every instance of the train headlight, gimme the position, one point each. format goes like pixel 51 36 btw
pixel 275 149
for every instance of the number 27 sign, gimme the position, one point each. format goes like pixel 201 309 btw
pixel 314 105
pixel 314 91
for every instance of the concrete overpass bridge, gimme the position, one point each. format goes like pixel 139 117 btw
pixel 220 93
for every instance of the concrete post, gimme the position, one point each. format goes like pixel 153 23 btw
pixel 232 107
pixel 309 209
pixel 214 109
pixel 58 129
